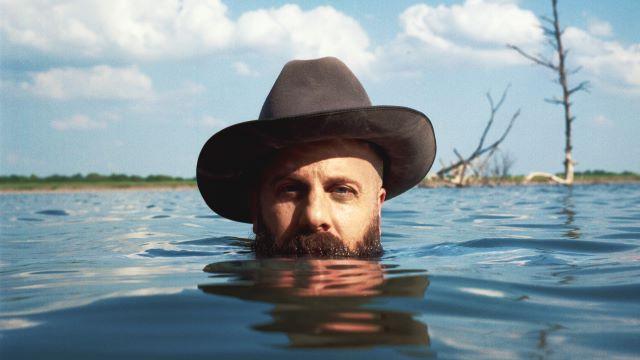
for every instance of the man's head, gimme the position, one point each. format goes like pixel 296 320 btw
pixel 321 198
pixel 317 153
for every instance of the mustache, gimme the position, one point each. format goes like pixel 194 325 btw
pixel 320 244
pixel 317 244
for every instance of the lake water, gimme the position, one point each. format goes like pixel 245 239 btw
pixel 511 272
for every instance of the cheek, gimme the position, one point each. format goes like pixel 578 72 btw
pixel 352 220
pixel 277 217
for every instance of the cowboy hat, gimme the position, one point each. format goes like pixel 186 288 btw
pixel 312 100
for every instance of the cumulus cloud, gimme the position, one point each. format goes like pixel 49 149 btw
pixel 610 63
pixel 208 122
pixel 98 82
pixel 98 29
pixel 599 27
pixel 318 32
pixel 476 30
pixel 602 121
pixel 243 69
pixel 152 29
pixel 473 31
pixel 78 122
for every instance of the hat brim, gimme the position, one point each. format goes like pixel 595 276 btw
pixel 230 161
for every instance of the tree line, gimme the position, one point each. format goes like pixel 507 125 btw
pixel 91 177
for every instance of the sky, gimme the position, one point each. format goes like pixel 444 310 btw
pixel 137 87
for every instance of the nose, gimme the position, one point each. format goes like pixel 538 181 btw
pixel 316 213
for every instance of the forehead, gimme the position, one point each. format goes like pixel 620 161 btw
pixel 344 156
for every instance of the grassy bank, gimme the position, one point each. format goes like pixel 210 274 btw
pixel 94 181
pixel 584 177
pixel 91 181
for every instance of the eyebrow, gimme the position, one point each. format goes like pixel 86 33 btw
pixel 344 179
pixel 330 179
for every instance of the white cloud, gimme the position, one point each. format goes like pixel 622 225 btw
pixel 599 27
pixel 78 122
pixel 477 30
pixel 98 29
pixel 609 63
pixel 153 29
pixel 98 82
pixel 208 122
pixel 243 69
pixel 322 31
pixel 602 121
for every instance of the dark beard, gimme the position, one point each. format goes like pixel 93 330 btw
pixel 317 244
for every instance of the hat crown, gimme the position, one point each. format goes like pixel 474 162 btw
pixel 309 86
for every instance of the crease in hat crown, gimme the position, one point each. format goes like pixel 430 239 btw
pixel 309 86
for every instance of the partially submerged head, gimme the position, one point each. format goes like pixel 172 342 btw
pixel 317 151
pixel 321 198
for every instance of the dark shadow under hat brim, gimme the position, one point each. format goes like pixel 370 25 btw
pixel 231 160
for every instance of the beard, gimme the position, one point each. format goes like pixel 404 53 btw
pixel 317 244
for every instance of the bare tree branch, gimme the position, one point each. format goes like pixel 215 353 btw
pixel 574 71
pixel 554 100
pixel 535 59
pixel 504 135
pixel 494 110
pixel 463 163
pixel 554 35
pixel 546 19
pixel 583 86
pixel 547 31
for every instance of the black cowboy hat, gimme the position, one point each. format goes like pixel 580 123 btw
pixel 312 100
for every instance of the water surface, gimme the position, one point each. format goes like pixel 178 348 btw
pixel 528 272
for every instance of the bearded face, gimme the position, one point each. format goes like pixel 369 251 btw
pixel 317 244
pixel 321 199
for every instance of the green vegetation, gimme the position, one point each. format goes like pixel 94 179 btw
pixel 89 181
pixel 605 176
pixel 122 181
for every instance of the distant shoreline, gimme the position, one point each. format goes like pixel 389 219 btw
pixel 79 187
pixel 92 182
pixel 431 184
pixel 519 181
pixel 121 182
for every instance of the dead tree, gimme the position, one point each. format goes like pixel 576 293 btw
pixel 554 33
pixel 457 171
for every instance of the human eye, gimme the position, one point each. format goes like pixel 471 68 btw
pixel 343 192
pixel 289 190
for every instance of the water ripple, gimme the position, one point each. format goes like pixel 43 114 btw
pixel 175 253
pixel 53 212
pixel 620 236
pixel 579 246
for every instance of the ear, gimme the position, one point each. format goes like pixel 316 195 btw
pixel 382 195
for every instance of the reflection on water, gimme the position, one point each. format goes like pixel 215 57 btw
pixel 326 302
pixel 568 210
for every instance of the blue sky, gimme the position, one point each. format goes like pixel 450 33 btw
pixel 138 86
